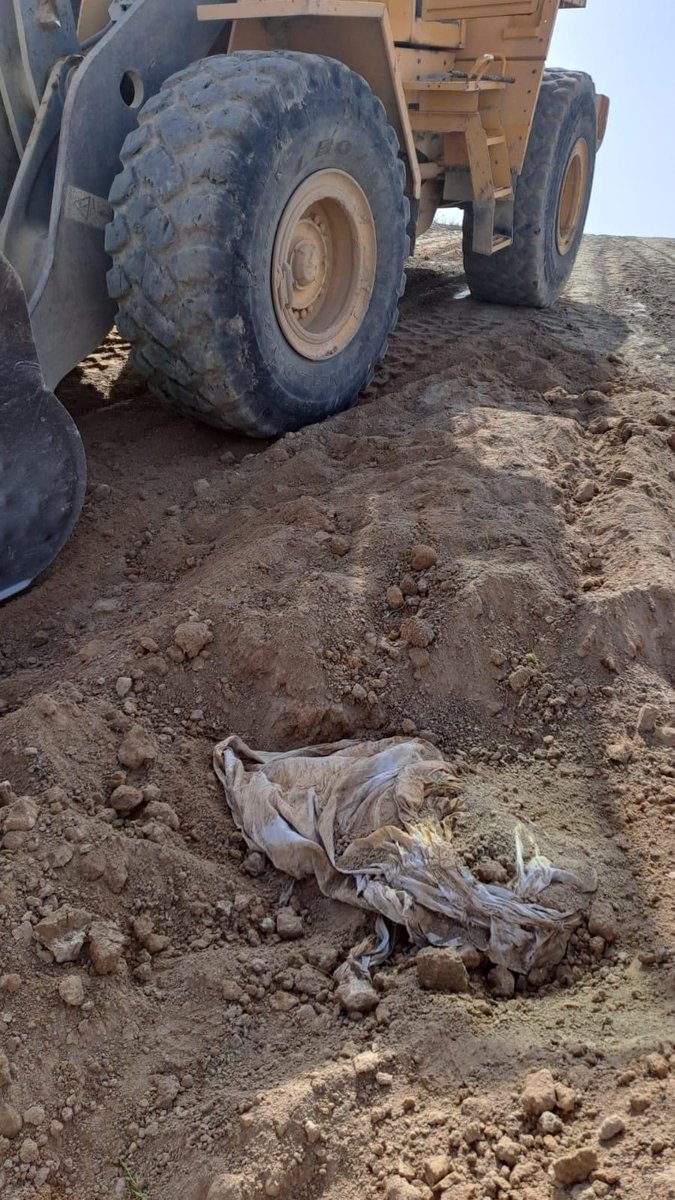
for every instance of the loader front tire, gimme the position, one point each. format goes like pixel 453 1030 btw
pixel 551 200
pixel 259 238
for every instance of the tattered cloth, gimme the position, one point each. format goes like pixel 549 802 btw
pixel 371 822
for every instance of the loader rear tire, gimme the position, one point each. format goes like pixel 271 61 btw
pixel 551 200
pixel 259 238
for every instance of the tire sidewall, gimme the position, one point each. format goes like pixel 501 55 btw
pixel 580 121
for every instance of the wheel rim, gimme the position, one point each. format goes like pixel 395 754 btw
pixel 572 196
pixel 323 264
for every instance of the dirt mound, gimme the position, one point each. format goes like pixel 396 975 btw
pixel 480 553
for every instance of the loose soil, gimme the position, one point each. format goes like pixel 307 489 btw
pixel 192 1029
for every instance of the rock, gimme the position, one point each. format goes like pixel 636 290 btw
pixel 638 1102
pixel 566 1098
pixel 520 678
pixel 5 1073
pixel 507 1151
pixel 339 545
pixel 398 1188
pixel 201 488
pixel 575 1167
pixel 125 798
pixel 657 1066
pixel 10 983
pixel 422 557
pixel 585 492
pixel 550 1123
pixel 601 920
pixel 501 982
pixel 395 597
pixel 158 810
pixel 646 719
pixel 29 1151
pixel 441 969
pixel 491 871
pixel 312 1132
pixel 436 1168
pixel 384 1079
pixel 192 637
pixel 63 933
pixel 11 1122
pixel 289 925
pixel 168 1089
pixel 106 943
pixel 539 1093
pixel 470 956
pixel 138 748
pixel 35 1115
pixel 20 817
pixel 71 991
pixel 417 632
pixel 123 685
pixel 665 735
pixel 366 1063
pixel 356 995
pixel 227 1187
pixel 611 1127
pixel 283 1002
pixel 620 751
pixel 232 992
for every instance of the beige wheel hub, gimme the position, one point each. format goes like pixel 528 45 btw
pixel 323 264
pixel 572 196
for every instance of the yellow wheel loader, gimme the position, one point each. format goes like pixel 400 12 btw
pixel 238 186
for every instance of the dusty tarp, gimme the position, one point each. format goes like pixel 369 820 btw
pixel 371 821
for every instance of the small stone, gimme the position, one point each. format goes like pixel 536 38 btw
pixel 436 1168
pixel 501 982
pixel 123 685
pixel 29 1151
pixel 646 719
pixel 491 871
pixel 312 1132
pixel 356 995
pixel 566 1098
pixel 125 798
pixel 657 1066
pixel 21 816
pixel 254 864
pixel 232 992
pixel 384 1079
pixel 106 943
pixel 440 969
pixel 10 983
pixel 395 597
pixel 575 1167
pixel 398 1188
pixel 11 1122
pixel 192 637
pixel 417 632
pixel 158 810
pixel 201 488
pixel 339 545
pixel 71 991
pixel 423 557
pixel 168 1088
pixel 507 1151
pixel 638 1102
pixel 137 749
pixel 366 1063
pixel 550 1123
pixel 227 1187
pixel 289 925
pixel 665 736
pixel 35 1115
pixel 539 1093
pixel 520 678
pixel 601 920
pixel 585 492
pixel 611 1127
pixel 63 933
pixel 620 751
pixel 5 1073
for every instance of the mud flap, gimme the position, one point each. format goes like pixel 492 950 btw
pixel 42 463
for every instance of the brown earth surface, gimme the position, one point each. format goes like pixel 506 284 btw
pixel 183 1035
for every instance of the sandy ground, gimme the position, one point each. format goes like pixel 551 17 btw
pixel 188 1032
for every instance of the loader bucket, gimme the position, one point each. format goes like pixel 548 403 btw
pixel 42 463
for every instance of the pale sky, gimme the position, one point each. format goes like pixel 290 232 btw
pixel 627 47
